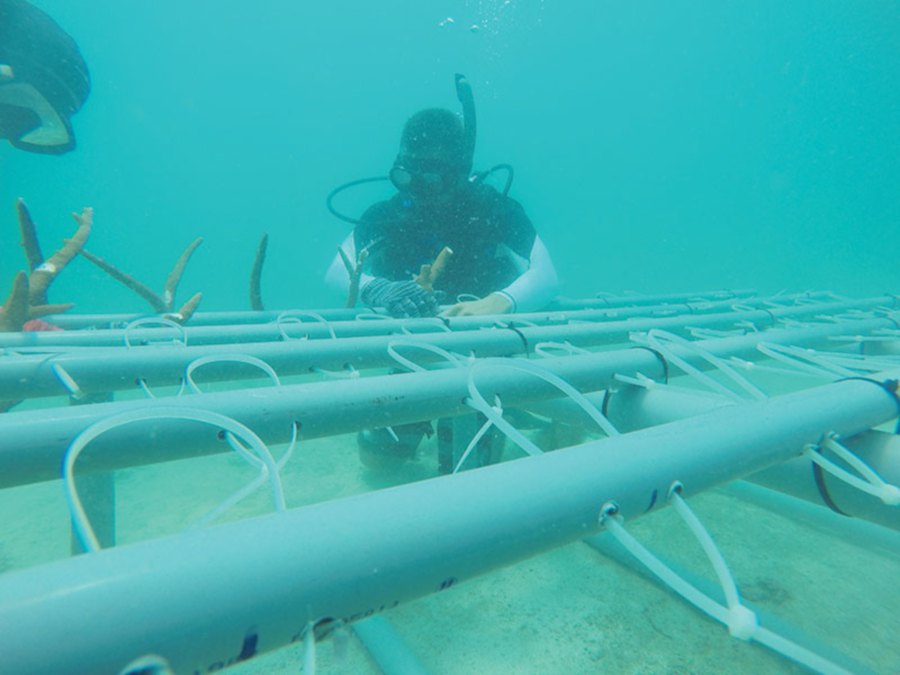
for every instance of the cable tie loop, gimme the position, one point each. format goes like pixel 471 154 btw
pixel 293 316
pixel 659 355
pixel 67 381
pixel 676 488
pixel 867 480
pixel 522 337
pixel 219 359
pixel 771 314
pixel 160 322
pixel 660 340
pixel 609 511
pixel 411 365
pixel 890 386
pixel 639 380
pixel 742 622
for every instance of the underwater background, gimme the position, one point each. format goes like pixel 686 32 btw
pixel 658 146
pixel 661 146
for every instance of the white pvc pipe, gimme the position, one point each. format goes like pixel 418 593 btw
pixel 203 599
pixel 31 442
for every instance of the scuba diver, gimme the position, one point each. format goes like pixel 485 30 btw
pixel 496 255
pixel 440 208
pixel 43 80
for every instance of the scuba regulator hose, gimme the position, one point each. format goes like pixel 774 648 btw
pixel 467 101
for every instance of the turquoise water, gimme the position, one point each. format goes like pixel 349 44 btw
pixel 657 145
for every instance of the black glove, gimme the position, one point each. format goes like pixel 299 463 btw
pixel 402 299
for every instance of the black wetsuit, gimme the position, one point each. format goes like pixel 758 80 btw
pixel 481 226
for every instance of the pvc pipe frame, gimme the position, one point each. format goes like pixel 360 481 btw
pixel 99 369
pixel 252 586
pixel 854 531
pixel 32 443
pixel 218 318
pixel 286 326
pixel 277 331
pixel 633 408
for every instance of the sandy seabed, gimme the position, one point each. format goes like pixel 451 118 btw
pixel 571 610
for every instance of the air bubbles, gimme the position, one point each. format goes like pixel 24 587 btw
pixel 446 22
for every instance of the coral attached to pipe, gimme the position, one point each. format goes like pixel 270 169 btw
pixel 355 272
pixel 161 303
pixel 256 302
pixel 428 274
pixel 28 298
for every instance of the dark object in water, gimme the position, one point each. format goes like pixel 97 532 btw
pixel 43 80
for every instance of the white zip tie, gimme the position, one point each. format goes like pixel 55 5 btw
pixel 753 366
pixel 804 355
pixel 309 650
pixel 639 380
pixel 67 381
pixel 498 421
pixel 350 373
pixel 155 321
pixel 371 316
pixel 427 322
pixel 142 383
pixel 778 353
pixel 741 621
pixel 227 358
pixel 476 400
pixel 749 325
pixel 870 483
pixel 878 337
pixel 80 522
pixel 546 348
pixel 498 408
pixel 655 339
pixel 295 316
pixel 700 333
pixel 255 484
pixel 412 366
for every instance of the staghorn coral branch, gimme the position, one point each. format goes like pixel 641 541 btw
pixel 44 274
pixel 37 311
pixel 256 302
pixel 161 304
pixel 29 242
pixel 349 266
pixel 176 273
pixel 187 309
pixel 355 272
pixel 440 263
pixel 14 312
pixel 151 296
pixel 428 274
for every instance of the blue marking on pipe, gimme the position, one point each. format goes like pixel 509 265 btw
pixel 652 500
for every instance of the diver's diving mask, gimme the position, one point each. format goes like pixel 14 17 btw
pixel 423 178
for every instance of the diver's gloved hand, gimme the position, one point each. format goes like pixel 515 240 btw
pixel 402 299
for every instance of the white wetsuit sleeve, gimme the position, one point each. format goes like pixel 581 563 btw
pixel 537 285
pixel 337 278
